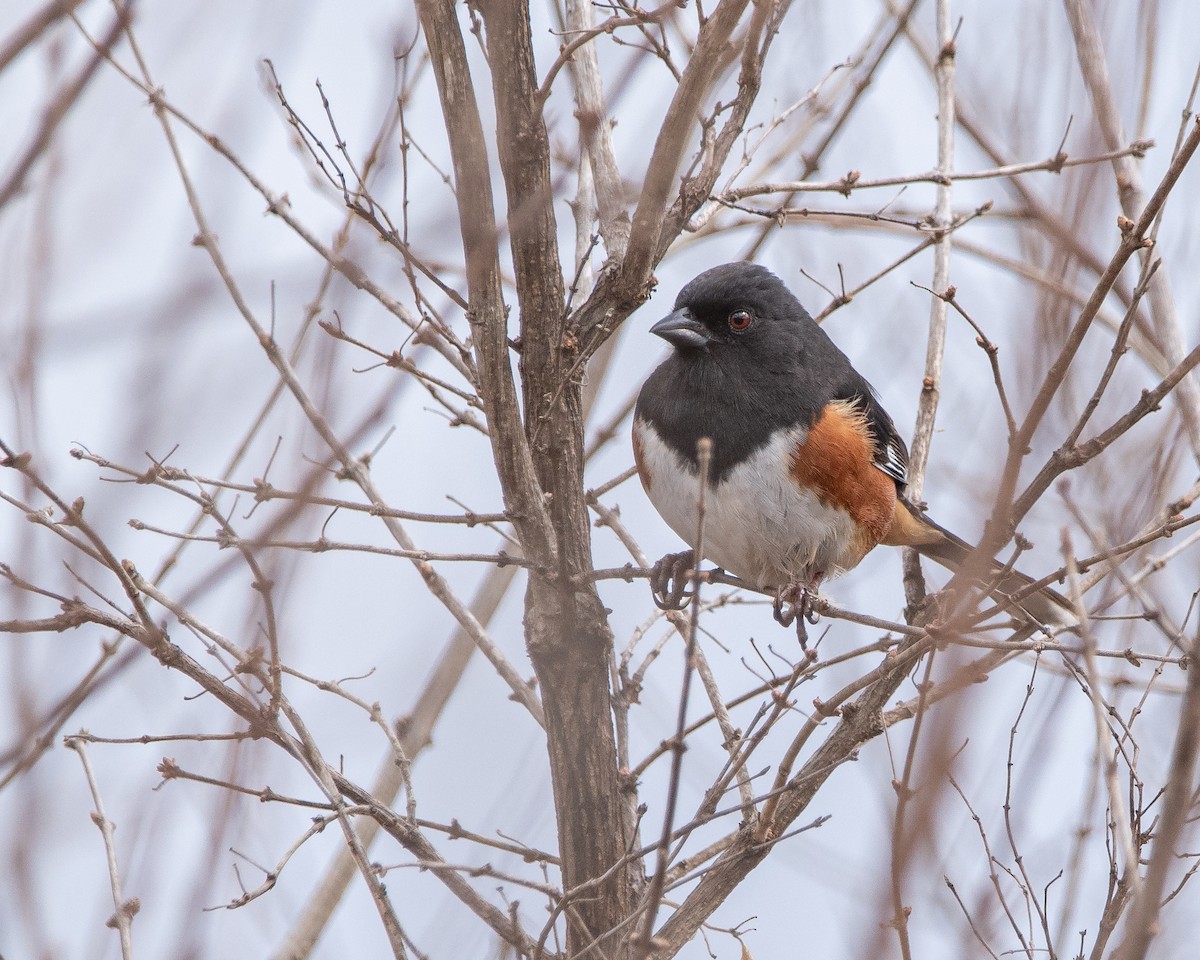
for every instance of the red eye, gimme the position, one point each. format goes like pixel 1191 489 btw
pixel 739 320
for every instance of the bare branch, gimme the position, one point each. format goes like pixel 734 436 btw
pixel 123 910
pixel 1128 178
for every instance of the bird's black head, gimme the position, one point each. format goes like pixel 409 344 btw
pixel 748 362
pixel 739 305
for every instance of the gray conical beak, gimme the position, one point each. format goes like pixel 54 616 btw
pixel 682 330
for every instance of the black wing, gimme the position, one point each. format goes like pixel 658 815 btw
pixel 891 455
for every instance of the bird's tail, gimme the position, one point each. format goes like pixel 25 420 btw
pixel 1045 605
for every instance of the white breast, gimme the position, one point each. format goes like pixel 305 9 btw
pixel 758 524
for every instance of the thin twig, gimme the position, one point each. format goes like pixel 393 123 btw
pixel 123 910
pixel 704 450
pixel 1104 751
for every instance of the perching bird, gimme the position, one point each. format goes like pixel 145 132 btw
pixel 807 470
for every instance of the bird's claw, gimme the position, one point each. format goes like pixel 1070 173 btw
pixel 798 603
pixel 669 580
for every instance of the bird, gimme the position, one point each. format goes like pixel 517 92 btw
pixel 807 471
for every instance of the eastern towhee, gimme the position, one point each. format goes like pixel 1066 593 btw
pixel 807 471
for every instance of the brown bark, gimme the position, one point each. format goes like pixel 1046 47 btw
pixel 565 625
pixel 566 629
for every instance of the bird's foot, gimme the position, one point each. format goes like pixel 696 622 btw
pixel 796 603
pixel 669 580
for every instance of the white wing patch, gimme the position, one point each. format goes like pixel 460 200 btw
pixel 893 461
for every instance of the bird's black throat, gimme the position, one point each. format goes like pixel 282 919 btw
pixel 725 396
